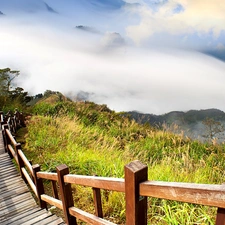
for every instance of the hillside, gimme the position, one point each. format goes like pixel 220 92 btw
pixel 191 123
pixel 94 140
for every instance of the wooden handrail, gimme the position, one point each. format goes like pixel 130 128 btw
pixel 47 176
pixel 30 181
pixel 87 217
pixel 26 162
pixel 135 186
pixel 10 136
pixel 52 201
pixel 13 153
pixel 112 184
pixel 203 194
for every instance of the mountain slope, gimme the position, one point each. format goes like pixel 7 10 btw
pixel 28 6
pixel 191 123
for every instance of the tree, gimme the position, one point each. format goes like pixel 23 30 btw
pixel 6 77
pixel 212 128
pixel 19 95
pixel 10 96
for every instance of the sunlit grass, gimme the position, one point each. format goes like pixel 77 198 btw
pixel 93 142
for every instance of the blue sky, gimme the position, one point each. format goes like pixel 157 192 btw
pixel 153 56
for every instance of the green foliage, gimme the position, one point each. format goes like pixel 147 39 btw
pixel 6 77
pixel 91 139
pixel 212 128
pixel 11 98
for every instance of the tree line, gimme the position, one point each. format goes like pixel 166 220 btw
pixel 11 95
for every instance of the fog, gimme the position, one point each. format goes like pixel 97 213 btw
pixel 107 59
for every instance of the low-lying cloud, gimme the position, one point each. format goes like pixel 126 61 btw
pixel 108 67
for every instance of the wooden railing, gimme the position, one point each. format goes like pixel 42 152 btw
pixel 135 185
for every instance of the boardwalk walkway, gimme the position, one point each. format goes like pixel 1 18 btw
pixel 17 206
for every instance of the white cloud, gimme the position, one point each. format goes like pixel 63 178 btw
pixel 201 17
pixel 52 55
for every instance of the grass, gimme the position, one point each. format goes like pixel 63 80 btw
pixel 92 140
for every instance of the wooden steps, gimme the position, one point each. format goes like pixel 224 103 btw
pixel 17 206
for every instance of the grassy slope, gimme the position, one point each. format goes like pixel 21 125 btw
pixel 91 139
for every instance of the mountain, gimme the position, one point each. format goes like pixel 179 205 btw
pixel 49 8
pixel 29 6
pixel 192 123
pixel 87 29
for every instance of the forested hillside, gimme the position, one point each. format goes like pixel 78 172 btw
pixel 94 140
pixel 203 125
pixel 91 139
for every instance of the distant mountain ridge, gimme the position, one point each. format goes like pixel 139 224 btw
pixel 190 123
pixel 180 117
pixel 30 6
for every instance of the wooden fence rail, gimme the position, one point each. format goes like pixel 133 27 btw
pixel 136 187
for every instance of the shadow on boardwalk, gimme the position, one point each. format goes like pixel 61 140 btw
pixel 17 206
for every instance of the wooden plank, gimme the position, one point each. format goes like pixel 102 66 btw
pixel 14 179
pixel 10 184
pixel 9 176
pixel 113 184
pixel 88 218
pixel 5 161
pixel 11 193
pixel 6 176
pixel 38 219
pixel 11 211
pixel 47 220
pixel 204 194
pixel 7 167
pixel 12 139
pixel 29 180
pixel 14 200
pixel 25 160
pixel 52 201
pixel 58 221
pixel 25 216
pixel 48 176
pixel 42 217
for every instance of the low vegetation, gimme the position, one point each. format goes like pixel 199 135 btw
pixel 93 140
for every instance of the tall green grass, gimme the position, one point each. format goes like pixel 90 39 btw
pixel 93 140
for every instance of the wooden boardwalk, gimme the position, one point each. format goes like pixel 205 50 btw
pixel 17 206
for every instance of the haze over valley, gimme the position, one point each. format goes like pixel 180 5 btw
pixel 151 56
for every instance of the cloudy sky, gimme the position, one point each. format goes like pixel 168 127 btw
pixel 153 56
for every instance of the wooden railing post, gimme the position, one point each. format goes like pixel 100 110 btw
pixel 1 118
pixel 39 185
pixel 54 189
pixel 220 217
pixel 97 202
pixel 136 205
pixel 6 139
pixel 22 120
pixel 20 161
pixel 13 124
pixel 4 127
pixel 66 194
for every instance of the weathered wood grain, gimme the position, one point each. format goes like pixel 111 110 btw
pixel 17 205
